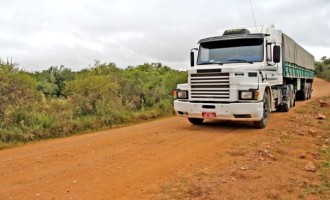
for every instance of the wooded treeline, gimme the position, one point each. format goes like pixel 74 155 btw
pixel 322 68
pixel 57 102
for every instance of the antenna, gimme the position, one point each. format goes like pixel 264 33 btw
pixel 255 24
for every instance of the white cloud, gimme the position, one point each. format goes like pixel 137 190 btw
pixel 39 34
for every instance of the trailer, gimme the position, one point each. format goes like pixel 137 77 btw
pixel 243 74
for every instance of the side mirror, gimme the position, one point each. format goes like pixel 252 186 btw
pixel 277 54
pixel 192 58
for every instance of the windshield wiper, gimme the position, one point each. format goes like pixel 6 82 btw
pixel 240 60
pixel 211 63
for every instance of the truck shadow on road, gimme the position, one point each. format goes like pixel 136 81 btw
pixel 225 124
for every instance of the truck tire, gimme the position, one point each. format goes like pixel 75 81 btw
pixel 195 121
pixel 306 91
pixel 285 107
pixel 266 108
pixel 290 101
pixel 292 96
pixel 303 93
pixel 309 90
pixel 300 95
pixel 279 108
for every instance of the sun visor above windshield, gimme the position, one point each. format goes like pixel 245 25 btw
pixel 232 37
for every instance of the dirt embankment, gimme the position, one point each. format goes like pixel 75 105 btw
pixel 168 159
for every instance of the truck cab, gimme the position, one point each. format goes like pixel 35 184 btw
pixel 236 76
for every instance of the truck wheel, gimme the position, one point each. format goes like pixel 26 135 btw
pixel 300 95
pixel 311 90
pixel 196 121
pixel 290 102
pixel 285 107
pixel 306 91
pixel 279 108
pixel 266 107
pixel 292 96
pixel 303 93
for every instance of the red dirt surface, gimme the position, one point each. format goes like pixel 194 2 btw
pixel 162 159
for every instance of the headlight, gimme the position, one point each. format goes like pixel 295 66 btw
pixel 249 95
pixel 182 94
pixel 246 95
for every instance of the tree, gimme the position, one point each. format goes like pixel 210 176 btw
pixel 94 95
pixel 17 89
pixel 322 68
pixel 53 80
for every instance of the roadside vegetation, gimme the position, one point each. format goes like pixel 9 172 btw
pixel 319 128
pixel 58 102
pixel 322 68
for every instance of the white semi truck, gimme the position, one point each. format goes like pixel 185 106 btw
pixel 244 74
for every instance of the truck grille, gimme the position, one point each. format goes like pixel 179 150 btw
pixel 209 86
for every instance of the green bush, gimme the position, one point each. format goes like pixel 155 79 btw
pixel 322 68
pixel 94 95
pixel 58 102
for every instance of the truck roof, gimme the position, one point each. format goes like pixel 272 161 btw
pixel 265 29
pixel 232 37
pixel 292 51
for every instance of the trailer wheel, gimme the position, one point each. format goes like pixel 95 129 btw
pixel 196 121
pixel 292 96
pixel 306 91
pixel 303 93
pixel 285 107
pixel 290 101
pixel 309 90
pixel 279 108
pixel 300 95
pixel 266 107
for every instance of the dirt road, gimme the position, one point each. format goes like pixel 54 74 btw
pixel 134 162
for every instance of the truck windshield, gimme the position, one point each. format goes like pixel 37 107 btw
pixel 231 51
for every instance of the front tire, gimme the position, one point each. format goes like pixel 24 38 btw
pixel 196 121
pixel 266 108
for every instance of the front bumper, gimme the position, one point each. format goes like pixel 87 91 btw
pixel 223 111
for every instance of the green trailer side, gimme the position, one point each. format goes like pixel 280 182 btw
pixel 291 70
pixel 298 63
pixel 298 68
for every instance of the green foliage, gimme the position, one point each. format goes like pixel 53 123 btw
pixel 94 95
pixel 322 68
pixel 58 102
pixel 17 91
pixel 53 80
pixel 146 85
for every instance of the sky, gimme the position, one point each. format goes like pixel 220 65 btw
pixel 38 34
